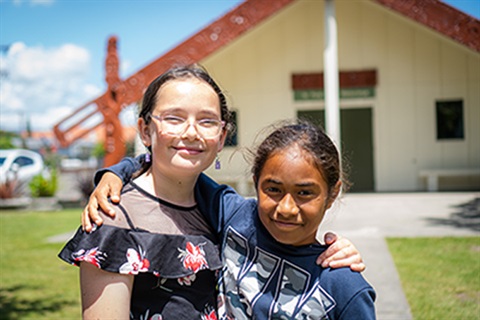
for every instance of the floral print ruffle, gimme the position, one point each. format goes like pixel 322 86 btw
pixel 165 266
pixel 131 252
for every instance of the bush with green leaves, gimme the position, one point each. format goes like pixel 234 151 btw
pixel 6 139
pixel 44 185
pixel 99 150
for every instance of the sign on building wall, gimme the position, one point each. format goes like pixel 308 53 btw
pixel 345 93
pixel 353 84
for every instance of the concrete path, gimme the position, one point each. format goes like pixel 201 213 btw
pixel 366 219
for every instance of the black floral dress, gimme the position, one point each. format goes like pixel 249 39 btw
pixel 171 250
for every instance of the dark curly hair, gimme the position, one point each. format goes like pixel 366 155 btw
pixel 310 138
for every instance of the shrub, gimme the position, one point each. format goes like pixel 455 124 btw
pixel 85 186
pixel 12 188
pixel 44 185
pixel 6 139
pixel 99 150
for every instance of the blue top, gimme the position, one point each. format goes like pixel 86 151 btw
pixel 264 279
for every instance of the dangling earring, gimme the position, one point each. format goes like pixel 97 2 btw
pixel 147 157
pixel 217 163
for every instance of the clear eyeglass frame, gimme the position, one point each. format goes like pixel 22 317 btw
pixel 176 126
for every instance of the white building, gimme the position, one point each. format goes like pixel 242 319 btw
pixel 409 82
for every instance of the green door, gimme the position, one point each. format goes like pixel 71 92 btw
pixel 357 143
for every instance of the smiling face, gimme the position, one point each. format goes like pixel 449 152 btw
pixel 292 196
pixel 188 153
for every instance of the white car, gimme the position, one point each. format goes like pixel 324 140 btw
pixel 20 164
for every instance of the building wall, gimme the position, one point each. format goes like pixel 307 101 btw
pixel 415 67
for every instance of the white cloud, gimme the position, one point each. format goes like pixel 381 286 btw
pixel 125 66
pixel 43 85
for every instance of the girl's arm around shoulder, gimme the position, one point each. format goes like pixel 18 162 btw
pixel 105 295
pixel 124 169
pixel 216 202
pixel 108 184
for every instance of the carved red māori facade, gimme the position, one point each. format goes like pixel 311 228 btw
pixel 109 105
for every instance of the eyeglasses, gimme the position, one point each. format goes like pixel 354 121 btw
pixel 176 126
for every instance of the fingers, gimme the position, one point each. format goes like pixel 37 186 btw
pixel 343 258
pixel 358 267
pixel 109 186
pixel 340 253
pixel 350 262
pixel 101 197
pixel 338 248
pixel 115 198
pixel 86 225
pixel 86 222
pixel 336 251
pixel 90 215
pixel 92 211
pixel 113 184
pixel 330 237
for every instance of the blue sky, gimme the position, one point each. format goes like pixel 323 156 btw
pixel 53 51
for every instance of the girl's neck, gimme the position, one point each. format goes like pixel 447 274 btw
pixel 176 190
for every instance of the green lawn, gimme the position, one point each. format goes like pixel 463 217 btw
pixel 440 276
pixel 34 283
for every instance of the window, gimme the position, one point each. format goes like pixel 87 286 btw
pixel 23 161
pixel 231 140
pixel 450 119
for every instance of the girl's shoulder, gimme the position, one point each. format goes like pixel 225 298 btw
pixel 351 294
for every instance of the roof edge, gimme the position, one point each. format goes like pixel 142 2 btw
pixel 440 17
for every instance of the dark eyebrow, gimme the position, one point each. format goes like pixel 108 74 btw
pixel 209 113
pixel 173 110
pixel 305 184
pixel 301 184
pixel 271 180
